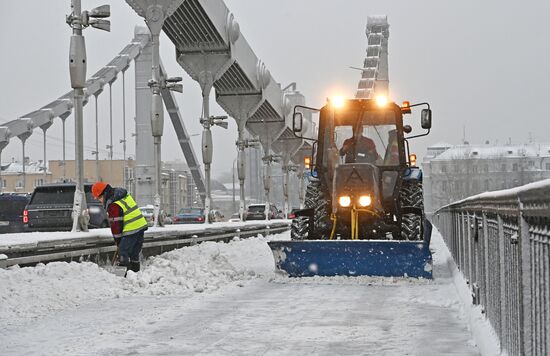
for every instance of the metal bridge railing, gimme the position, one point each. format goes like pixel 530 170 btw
pixel 501 243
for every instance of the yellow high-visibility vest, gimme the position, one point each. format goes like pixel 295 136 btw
pixel 132 218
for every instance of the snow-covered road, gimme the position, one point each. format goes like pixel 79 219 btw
pixel 225 299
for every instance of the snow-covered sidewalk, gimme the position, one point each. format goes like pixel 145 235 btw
pixel 226 299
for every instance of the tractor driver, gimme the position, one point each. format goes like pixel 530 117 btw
pixel 359 149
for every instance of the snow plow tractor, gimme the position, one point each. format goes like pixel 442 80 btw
pixel 364 211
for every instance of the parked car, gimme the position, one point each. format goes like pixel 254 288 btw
pixel 257 212
pixel 189 216
pixel 12 206
pixel 51 205
pixel 216 215
pixel 148 212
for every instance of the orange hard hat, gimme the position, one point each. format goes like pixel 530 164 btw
pixel 98 188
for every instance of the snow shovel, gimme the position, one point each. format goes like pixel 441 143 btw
pixel 119 271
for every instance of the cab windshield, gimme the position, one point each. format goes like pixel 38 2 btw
pixel 366 137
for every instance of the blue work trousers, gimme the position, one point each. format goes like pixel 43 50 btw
pixel 130 247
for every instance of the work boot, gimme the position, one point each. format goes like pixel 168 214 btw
pixel 134 266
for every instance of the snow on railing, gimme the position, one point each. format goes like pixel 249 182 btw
pixel 501 243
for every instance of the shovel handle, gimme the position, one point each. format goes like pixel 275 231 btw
pixel 115 256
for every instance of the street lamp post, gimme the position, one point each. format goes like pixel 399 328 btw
pixel 123 140
pixel 241 172
pixel 233 178
pixel 45 128
pixel 24 161
pixel 96 152
pixel 79 20
pixel 287 168
pixel 207 149
pixel 63 119
pixel 111 131
pixel 4 140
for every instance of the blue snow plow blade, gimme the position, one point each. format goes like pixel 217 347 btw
pixel 353 258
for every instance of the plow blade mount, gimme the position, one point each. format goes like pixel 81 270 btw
pixel 353 258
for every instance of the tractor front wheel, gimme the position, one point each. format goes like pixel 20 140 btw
pixel 411 196
pixel 299 230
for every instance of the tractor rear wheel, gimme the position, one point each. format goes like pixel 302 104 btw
pixel 412 196
pixel 316 198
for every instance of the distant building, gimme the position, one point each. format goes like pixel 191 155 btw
pixel 176 178
pixel 121 174
pixel 118 173
pixel 179 189
pixel 12 178
pixel 452 173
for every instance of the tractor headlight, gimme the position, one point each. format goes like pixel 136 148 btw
pixel 365 200
pixel 344 201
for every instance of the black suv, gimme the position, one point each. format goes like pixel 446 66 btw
pixel 11 212
pixel 51 207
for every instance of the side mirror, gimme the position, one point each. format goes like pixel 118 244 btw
pixel 407 129
pixel 426 119
pixel 297 122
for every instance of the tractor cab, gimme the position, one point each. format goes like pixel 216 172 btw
pixel 361 151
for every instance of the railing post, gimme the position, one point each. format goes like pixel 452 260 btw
pixel 459 227
pixel 465 228
pixel 525 295
pixel 502 270
pixel 455 216
pixel 469 254
pixel 477 265
pixel 486 282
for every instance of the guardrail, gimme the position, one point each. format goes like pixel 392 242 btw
pixel 98 246
pixel 501 243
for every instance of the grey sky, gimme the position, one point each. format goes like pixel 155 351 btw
pixel 483 65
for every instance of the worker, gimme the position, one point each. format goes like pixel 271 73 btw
pixel 127 223
pixel 359 149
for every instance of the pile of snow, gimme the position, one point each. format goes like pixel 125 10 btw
pixel 32 292
pixel 204 267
